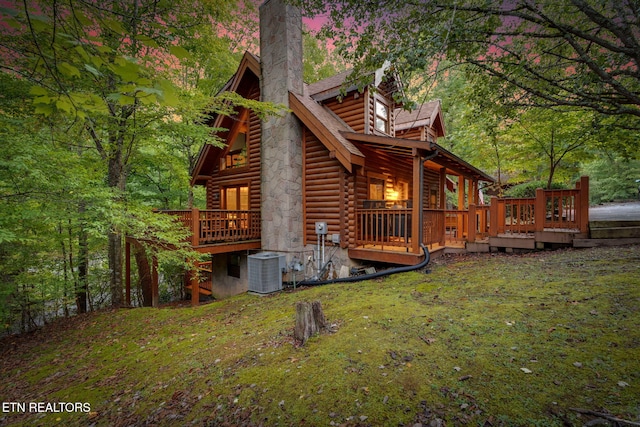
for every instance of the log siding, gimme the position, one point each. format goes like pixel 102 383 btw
pixel 323 189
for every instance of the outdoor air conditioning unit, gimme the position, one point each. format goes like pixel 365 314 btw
pixel 265 272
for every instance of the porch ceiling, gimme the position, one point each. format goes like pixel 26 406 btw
pixel 407 148
pixel 457 165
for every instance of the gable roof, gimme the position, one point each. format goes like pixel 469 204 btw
pixel 327 127
pixel 454 163
pixel 329 87
pixel 428 115
pixel 249 65
pixel 338 137
pixel 248 62
pixel 335 85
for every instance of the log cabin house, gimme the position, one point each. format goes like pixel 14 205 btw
pixel 346 159
pixel 346 177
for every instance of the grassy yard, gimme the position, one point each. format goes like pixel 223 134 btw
pixel 494 340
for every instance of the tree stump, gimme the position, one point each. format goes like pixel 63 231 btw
pixel 310 320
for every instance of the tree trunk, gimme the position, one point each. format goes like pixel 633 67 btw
pixel 65 269
pixel 310 320
pixel 117 182
pixel 83 263
pixel 144 273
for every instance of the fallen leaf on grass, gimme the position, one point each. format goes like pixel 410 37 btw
pixel 526 371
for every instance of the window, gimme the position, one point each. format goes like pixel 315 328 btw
pixel 433 198
pixel 382 117
pixel 233 265
pixel 237 155
pixel 376 189
pixel 235 198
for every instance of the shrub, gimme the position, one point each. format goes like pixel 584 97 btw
pixel 528 189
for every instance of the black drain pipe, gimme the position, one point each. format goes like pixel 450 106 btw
pixel 375 275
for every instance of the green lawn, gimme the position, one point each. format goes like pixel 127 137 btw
pixel 480 340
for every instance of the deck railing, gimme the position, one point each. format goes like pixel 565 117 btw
pixel 561 209
pixel 392 227
pixel 512 215
pixel 433 227
pixel 213 226
pixel 549 210
pixel 456 226
pixel 384 227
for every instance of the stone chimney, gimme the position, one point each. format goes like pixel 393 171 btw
pixel 281 145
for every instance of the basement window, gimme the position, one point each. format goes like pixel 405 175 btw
pixel 233 265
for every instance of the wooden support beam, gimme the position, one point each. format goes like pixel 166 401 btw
pixel 493 217
pixel 442 204
pixel 540 210
pixel 583 204
pixel 472 223
pixel 443 189
pixel 416 209
pixel 460 192
pixel 195 240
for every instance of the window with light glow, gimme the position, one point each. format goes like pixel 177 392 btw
pixel 237 155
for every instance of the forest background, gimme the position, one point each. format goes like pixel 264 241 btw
pixel 105 106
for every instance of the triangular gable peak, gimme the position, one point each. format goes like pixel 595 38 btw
pixel 244 81
pixel 427 116
pixel 249 62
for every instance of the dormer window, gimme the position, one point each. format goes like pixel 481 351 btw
pixel 382 116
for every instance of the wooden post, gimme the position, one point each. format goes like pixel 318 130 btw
pixel 493 217
pixel 540 210
pixel 461 206
pixel 461 192
pixel 195 240
pixel 583 204
pixel 416 207
pixel 442 204
pixel 472 223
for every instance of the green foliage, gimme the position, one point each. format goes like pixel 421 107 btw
pixel 549 53
pixel 319 63
pixel 102 120
pixel 410 348
pixel 528 189
pixel 613 179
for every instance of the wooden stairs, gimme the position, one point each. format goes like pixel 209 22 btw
pixel 205 282
pixel 610 233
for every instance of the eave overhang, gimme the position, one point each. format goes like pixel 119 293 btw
pixel 398 146
pixel 326 127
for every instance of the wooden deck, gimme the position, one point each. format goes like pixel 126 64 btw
pixel 216 231
pixel 386 234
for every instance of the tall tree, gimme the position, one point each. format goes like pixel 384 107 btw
pixel 107 68
pixel 569 53
pixel 556 143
